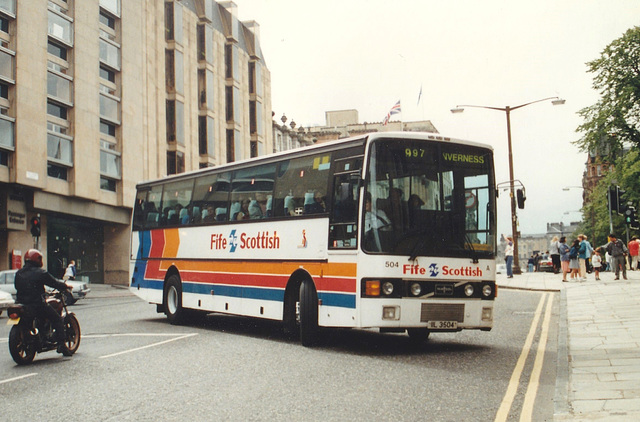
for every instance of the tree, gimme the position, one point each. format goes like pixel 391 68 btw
pixel 614 121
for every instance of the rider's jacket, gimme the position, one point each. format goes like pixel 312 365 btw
pixel 30 281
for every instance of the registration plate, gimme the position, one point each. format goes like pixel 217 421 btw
pixel 442 325
pixel 12 321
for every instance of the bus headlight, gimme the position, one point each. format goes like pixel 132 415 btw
pixel 387 288
pixel 416 289
pixel 468 290
pixel 487 291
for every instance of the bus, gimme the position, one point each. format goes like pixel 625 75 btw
pixel 388 231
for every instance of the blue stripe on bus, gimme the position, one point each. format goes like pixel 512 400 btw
pixel 341 300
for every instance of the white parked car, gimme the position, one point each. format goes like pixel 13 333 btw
pixel 6 300
pixel 80 288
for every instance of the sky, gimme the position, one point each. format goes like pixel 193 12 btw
pixel 367 54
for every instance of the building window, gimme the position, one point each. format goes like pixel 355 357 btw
pixel 255 118
pixel 107 74
pixel 8 6
pixel 109 108
pixel 112 6
pixel 60 149
pixel 175 162
pixel 109 54
pixel 56 110
pixel 173 22
pixel 205 43
pixel 107 128
pixel 57 50
pixel 6 65
pixel 59 88
pixel 7 133
pixel 107 20
pixel 175 71
pixel 110 164
pixel 107 184
pixel 205 87
pixel 60 28
pixel 255 78
pixel 206 130
pixel 231 61
pixel 230 146
pixel 57 172
pixel 4 24
pixel 175 122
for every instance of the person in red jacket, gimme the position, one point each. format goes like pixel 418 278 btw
pixel 634 245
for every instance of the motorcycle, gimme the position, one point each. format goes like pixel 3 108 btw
pixel 33 334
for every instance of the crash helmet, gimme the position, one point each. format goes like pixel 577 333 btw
pixel 34 256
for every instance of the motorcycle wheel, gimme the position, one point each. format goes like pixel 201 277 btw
pixel 72 334
pixel 19 348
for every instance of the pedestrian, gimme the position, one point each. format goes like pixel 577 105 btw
pixel 563 249
pixel 574 265
pixel 596 261
pixel 555 254
pixel 634 246
pixel 530 264
pixel 508 256
pixel 582 258
pixel 70 272
pixel 588 254
pixel 618 252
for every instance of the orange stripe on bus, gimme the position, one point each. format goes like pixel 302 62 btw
pixel 332 269
pixel 171 243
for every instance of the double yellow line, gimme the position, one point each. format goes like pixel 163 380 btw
pixel 534 381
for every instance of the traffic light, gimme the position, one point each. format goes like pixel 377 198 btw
pixel 622 203
pixel 35 226
pixel 630 217
pixel 613 198
pixel 520 195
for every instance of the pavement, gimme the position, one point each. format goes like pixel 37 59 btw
pixel 598 373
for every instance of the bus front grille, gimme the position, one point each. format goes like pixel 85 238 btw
pixel 442 312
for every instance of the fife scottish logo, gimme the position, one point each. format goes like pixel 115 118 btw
pixel 233 241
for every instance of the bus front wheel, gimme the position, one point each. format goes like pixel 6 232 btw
pixel 173 300
pixel 308 313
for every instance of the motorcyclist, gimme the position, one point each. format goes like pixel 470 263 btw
pixel 30 281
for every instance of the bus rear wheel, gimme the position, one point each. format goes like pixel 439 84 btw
pixel 308 313
pixel 173 300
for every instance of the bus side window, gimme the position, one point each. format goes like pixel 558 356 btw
pixel 211 199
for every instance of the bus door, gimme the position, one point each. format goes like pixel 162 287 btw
pixel 343 220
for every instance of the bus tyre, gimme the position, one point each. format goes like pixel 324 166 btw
pixel 308 314
pixel 173 300
pixel 418 335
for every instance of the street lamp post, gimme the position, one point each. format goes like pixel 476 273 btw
pixel 514 217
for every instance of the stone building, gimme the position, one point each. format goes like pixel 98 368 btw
pixel 98 95
pixel 345 123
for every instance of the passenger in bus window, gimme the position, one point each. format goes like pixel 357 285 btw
pixel 209 214
pixel 294 202
pixel 257 208
pixel 244 213
pixel 317 206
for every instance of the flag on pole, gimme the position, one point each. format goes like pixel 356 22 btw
pixel 419 95
pixel 396 109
